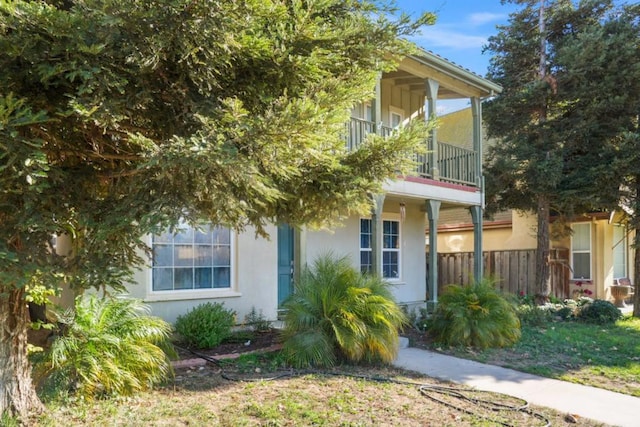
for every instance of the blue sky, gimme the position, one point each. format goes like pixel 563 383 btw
pixel 461 29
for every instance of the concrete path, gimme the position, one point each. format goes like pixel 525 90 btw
pixel 588 402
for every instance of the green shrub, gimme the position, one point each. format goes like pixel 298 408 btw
pixel 336 312
pixel 600 312
pixel 107 347
pixel 475 315
pixel 206 325
pixel 533 315
pixel 256 321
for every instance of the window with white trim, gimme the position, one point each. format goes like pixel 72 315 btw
pixel 192 259
pixel 390 248
pixel 581 251
pixel 365 246
pixel 396 117
pixel 619 251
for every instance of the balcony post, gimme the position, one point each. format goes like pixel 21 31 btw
pixel 431 87
pixel 376 234
pixel 476 111
pixel 376 109
pixel 433 213
pixel 476 217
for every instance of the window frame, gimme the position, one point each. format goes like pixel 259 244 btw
pixel 194 292
pixel 397 112
pixel 383 250
pixel 588 251
pixel 620 243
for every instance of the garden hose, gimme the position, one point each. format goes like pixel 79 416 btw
pixel 430 391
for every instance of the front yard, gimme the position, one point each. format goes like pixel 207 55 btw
pixel 605 356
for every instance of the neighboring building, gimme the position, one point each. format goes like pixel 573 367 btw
pixel 245 272
pixel 596 255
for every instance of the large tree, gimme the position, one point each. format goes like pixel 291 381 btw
pixel 120 117
pixel 566 102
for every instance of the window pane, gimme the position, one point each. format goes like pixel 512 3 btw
pixel 365 226
pixel 202 256
pixel 365 241
pixel 162 279
pixel 390 264
pixel 184 235
pixel 165 237
pixel 203 278
pixel 203 235
pixel 581 239
pixel 619 252
pixel 221 277
pixel 365 261
pixel 581 266
pixel 183 255
pixel 183 278
pixel 221 236
pixel 162 255
pixel 391 242
pixel 221 256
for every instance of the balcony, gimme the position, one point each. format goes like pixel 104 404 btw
pixel 455 164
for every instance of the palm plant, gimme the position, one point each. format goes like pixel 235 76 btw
pixel 108 346
pixel 475 315
pixel 335 312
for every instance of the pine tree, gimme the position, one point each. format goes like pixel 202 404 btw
pixel 117 118
pixel 567 101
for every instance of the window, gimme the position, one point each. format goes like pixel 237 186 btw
pixel 192 259
pixel 396 117
pixel 619 251
pixel 581 251
pixel 365 246
pixel 390 248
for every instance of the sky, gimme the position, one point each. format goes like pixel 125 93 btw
pixel 461 30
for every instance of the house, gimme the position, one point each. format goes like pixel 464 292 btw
pixel 593 258
pixel 245 272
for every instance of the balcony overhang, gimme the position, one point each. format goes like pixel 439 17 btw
pixel 454 81
pixel 427 189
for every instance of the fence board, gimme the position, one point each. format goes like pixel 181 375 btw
pixel 514 271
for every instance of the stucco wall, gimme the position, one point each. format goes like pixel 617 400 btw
pixel 520 234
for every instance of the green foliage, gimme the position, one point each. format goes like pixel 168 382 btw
pixel 557 147
pixel 533 315
pixel 335 312
pixel 206 325
pixel 600 311
pixel 107 347
pixel 475 315
pixel 119 118
pixel 256 321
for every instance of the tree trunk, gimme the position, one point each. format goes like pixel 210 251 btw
pixel 17 393
pixel 543 274
pixel 636 273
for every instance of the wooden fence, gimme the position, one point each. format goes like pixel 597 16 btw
pixel 513 270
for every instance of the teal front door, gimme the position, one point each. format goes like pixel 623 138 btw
pixel 285 262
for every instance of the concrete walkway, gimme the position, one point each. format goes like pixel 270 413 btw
pixel 587 402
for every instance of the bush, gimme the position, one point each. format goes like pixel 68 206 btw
pixel 256 321
pixel 534 315
pixel 206 325
pixel 108 346
pixel 475 315
pixel 336 312
pixel 600 312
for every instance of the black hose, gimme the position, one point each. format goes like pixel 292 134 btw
pixel 427 390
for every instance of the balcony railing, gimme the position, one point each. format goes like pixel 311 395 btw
pixel 455 164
